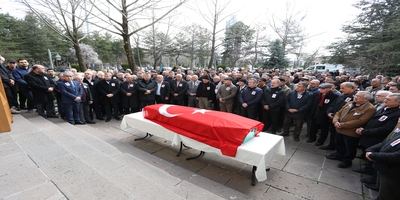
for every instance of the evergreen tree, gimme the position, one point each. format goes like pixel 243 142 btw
pixel 10 40
pixel 373 38
pixel 277 57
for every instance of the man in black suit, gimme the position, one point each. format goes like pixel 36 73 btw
pixel 386 156
pixel 92 83
pixel 42 87
pixel 147 91
pixel 86 100
pixel 109 91
pixel 163 90
pixel 129 96
pixel 377 129
pixel 178 90
pixel 320 120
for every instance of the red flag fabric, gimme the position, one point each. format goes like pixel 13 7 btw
pixel 221 130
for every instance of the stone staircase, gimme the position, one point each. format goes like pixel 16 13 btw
pixel 45 160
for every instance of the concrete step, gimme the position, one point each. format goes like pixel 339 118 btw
pixel 130 176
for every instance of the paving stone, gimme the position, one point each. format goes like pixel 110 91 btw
pixel 40 148
pixel 17 129
pixel 294 184
pixel 324 192
pixel 10 148
pixel 188 191
pixel 5 138
pixel 20 180
pixel 310 147
pixel 78 181
pixel 341 179
pixel 14 162
pixel 217 188
pixel 243 185
pixel 305 164
pixel 75 134
pixel 278 194
pixel 46 191
pixel 216 174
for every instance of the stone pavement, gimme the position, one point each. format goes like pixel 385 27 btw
pixel 50 159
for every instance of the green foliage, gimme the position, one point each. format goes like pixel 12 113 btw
pixel 125 65
pixel 237 42
pixel 277 57
pixel 373 38
pixel 28 38
pixel 223 66
pixel 76 66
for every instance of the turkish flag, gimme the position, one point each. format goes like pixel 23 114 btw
pixel 221 130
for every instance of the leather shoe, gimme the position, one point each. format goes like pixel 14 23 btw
pixel 117 118
pixel 107 120
pixel 284 134
pixel 310 141
pixel 333 156
pixel 52 116
pixel 344 164
pixel 91 122
pixel 318 144
pixel 368 180
pixel 296 139
pixel 371 186
pixel 327 147
pixel 100 118
pixel 363 171
pixel 79 123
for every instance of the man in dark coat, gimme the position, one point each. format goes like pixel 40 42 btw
pixel 109 92
pixel 249 99
pixel 163 90
pixel 86 100
pixel 348 90
pixel 129 96
pixel 320 119
pixel 147 91
pixel 386 156
pixel 271 102
pixel 9 88
pixel 297 106
pixel 71 94
pixel 92 83
pixel 42 87
pixel 378 128
pixel 205 93
pixel 178 90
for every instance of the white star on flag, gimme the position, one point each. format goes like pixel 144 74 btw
pixel 200 111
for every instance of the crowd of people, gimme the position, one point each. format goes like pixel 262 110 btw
pixel 349 111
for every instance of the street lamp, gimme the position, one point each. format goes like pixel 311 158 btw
pixel 58 58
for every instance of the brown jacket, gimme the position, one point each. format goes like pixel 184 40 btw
pixel 354 118
pixel 227 93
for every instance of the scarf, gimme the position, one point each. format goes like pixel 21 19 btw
pixel 321 98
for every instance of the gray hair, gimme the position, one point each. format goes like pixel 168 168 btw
pixel 367 95
pixel 68 73
pixel 349 84
pixel 397 95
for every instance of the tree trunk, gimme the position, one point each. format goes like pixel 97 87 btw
pixel 213 44
pixel 127 37
pixel 78 54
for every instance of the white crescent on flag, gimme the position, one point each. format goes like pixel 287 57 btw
pixel 163 111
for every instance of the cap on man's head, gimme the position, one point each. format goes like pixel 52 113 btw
pixel 263 80
pixel 68 73
pixel 208 71
pixel 304 78
pixel 282 80
pixel 228 78
pixel 62 70
pixel 11 61
pixel 243 80
pixel 205 77
pixel 325 85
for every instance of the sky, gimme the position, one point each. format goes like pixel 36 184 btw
pixel 321 19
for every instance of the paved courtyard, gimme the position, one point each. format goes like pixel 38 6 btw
pixel 303 173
